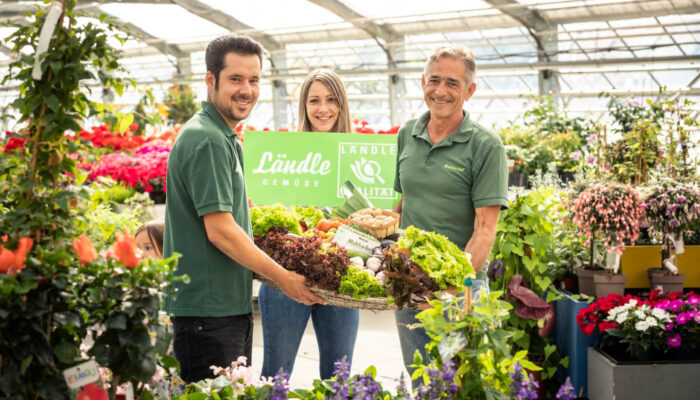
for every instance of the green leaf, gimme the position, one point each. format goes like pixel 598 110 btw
pixel 529 365
pixel 116 322
pixel 25 364
pixel 124 122
pixel 371 370
pixel 549 349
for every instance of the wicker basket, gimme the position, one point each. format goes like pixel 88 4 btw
pixel 340 300
pixel 382 231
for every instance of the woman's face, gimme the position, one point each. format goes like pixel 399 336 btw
pixel 321 107
pixel 145 244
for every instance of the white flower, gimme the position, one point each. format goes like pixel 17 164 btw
pixel 651 321
pixel 640 314
pixel 632 303
pixel 660 314
pixel 641 326
pixel 622 317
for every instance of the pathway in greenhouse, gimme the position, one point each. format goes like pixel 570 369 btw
pixel 377 344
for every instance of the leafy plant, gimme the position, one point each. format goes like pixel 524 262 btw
pixel 180 104
pixel 524 239
pixel 477 345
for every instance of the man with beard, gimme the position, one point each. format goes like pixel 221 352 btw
pixel 207 220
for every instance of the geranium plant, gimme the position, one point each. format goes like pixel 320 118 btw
pixel 608 214
pixel 671 209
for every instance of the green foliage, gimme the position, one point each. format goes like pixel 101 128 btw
pixel 263 218
pixel 180 103
pixel 359 284
pixel 52 305
pixel 110 192
pixel 524 243
pixel 310 215
pixel 146 112
pixel 477 343
pixel 101 223
pixel 437 256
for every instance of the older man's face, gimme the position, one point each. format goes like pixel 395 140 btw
pixel 445 89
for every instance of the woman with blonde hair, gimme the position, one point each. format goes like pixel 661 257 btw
pixel 323 107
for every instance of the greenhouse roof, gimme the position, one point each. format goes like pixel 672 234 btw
pixel 569 48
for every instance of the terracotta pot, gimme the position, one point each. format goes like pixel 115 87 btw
pixel 585 281
pixel 658 279
pixel 606 283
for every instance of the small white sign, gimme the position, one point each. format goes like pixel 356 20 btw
pixel 81 374
pixel 348 239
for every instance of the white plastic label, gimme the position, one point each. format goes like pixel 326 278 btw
pixel 81 374
pixel 344 237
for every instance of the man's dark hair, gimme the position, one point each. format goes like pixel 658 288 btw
pixel 215 56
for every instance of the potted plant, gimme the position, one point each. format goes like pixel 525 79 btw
pixel 671 209
pixel 643 342
pixel 607 214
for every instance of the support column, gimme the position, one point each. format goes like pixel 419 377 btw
pixel 398 104
pixel 547 46
pixel 280 105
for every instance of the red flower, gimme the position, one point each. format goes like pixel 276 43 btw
pixel 148 188
pixel 126 249
pixel 605 325
pixel 14 143
pixel 92 391
pixel 134 127
pixel 12 262
pixel 84 249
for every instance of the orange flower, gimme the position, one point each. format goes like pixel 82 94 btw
pixel 13 261
pixel 84 249
pixel 126 249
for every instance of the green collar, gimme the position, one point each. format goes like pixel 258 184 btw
pixel 462 135
pixel 213 113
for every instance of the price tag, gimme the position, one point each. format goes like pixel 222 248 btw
pixel 81 374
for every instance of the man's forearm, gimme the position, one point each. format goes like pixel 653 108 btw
pixel 236 244
pixel 479 247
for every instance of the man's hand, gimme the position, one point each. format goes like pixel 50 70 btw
pixel 294 286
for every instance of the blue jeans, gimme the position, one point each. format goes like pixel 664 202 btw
pixel 284 321
pixel 201 342
pixel 416 339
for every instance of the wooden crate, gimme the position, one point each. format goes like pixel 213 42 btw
pixel 379 232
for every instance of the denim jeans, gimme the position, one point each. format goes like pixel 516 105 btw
pixel 284 321
pixel 416 339
pixel 201 342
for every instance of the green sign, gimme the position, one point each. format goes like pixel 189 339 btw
pixel 309 168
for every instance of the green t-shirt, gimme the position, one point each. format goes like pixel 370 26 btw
pixel 205 175
pixel 442 184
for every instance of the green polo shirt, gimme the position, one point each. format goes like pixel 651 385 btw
pixel 442 184
pixel 205 175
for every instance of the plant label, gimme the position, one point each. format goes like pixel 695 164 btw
pixel 81 374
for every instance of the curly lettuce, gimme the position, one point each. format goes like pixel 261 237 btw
pixel 359 284
pixel 438 257
pixel 265 217
pixel 310 215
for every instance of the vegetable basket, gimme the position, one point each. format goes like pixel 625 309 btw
pixel 340 300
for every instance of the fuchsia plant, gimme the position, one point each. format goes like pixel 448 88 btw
pixel 608 214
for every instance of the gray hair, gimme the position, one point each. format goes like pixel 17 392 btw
pixel 459 53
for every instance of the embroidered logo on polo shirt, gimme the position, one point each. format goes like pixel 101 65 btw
pixel 453 167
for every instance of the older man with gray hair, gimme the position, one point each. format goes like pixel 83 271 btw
pixel 451 172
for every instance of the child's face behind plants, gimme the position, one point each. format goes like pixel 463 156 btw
pixel 146 245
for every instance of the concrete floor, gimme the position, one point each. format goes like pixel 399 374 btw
pixel 377 344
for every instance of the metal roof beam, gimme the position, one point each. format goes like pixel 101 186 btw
pixel 366 24
pixel 530 18
pixel 217 17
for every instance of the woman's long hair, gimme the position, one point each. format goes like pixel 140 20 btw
pixel 333 83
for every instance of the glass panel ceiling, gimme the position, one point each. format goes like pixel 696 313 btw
pixel 401 8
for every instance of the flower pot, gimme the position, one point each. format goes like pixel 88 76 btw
pixel 158 197
pixel 608 379
pixel 635 261
pixel 571 342
pixel 606 284
pixel 585 281
pixel 659 279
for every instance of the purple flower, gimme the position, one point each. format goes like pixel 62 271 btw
pixel 643 206
pixel 683 318
pixel 663 304
pixel 566 391
pixel 522 388
pixel 674 340
pixel 341 389
pixel 675 305
pixel 693 300
pixel 280 388
pixel 342 369
pixel 681 199
pixel 440 383
pixel 670 326
pixel 364 387
pixel 402 392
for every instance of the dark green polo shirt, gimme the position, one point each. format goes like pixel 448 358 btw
pixel 442 184
pixel 205 175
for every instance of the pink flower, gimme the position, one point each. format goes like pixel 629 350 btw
pixel 674 340
pixel 670 326
pixel 693 300
pixel 697 318
pixel 683 318
pixel 675 305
